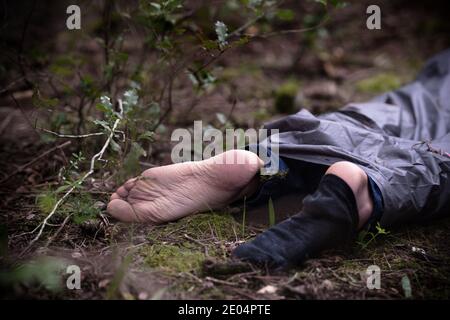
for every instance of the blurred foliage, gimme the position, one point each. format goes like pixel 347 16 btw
pixel 285 96
pixel 44 272
pixel 379 83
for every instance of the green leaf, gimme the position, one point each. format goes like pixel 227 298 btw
pixel 381 230
pixel 103 124
pixel 102 108
pixel 202 79
pixel 147 135
pixel 221 117
pixel 285 14
pixel 156 6
pixel 130 99
pixel 105 105
pixel 115 146
pixel 222 33
pixel 62 188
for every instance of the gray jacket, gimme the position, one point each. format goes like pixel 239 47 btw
pixel 401 139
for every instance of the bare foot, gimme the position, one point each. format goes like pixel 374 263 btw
pixel 171 192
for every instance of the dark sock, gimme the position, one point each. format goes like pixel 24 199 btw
pixel 328 219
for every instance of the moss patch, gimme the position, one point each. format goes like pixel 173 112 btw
pixel 379 83
pixel 206 225
pixel 182 246
pixel 285 96
pixel 174 258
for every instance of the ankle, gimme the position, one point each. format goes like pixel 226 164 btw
pixel 358 181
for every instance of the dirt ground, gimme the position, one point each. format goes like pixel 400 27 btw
pixel 187 259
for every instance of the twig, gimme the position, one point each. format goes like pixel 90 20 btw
pixel 96 157
pixel 72 135
pixel 251 22
pixel 11 84
pixel 194 240
pixel 6 122
pixel 21 168
pixel 248 24
pixel 220 281
pixel 27 119
pixel 169 105
pixel 59 230
pixel 290 31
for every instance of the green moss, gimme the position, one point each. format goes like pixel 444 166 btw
pixel 46 201
pixel 285 96
pixel 379 83
pixel 221 226
pixel 182 246
pixel 81 206
pixel 174 258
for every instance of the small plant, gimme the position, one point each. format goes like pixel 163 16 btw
pixel 366 237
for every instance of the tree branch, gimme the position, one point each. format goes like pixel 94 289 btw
pixel 94 159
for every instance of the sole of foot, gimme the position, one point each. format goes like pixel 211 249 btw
pixel 171 192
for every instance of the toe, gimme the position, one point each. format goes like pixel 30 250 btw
pixel 129 184
pixel 115 196
pixel 122 192
pixel 121 210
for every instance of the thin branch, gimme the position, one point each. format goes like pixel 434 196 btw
pixel 94 159
pixel 27 119
pixel 290 31
pixel 169 105
pixel 50 239
pixel 73 135
pixel 248 24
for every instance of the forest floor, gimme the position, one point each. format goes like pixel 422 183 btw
pixel 187 259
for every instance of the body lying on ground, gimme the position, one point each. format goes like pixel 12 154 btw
pixel 386 161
